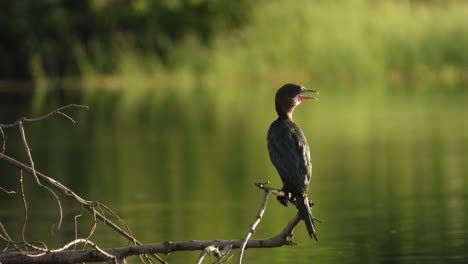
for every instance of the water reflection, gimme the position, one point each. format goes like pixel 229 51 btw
pixel 389 176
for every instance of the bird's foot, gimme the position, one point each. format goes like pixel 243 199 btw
pixel 285 198
pixel 292 199
pixel 282 200
pixel 289 240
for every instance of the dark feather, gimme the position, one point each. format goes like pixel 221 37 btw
pixel 289 153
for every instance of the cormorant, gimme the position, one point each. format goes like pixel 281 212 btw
pixel 289 152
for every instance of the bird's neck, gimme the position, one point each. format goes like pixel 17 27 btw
pixel 286 115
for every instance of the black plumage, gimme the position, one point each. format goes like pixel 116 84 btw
pixel 289 152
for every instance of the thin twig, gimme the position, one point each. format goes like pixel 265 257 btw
pixel 128 233
pixel 50 183
pixel 3 142
pixel 6 191
pixel 92 229
pixel 56 111
pixel 22 243
pixel 254 224
pixel 224 255
pixel 25 206
pixel 203 253
pixel 88 205
pixel 116 216
pixel 103 208
pixel 28 151
pixel 76 223
pixel 57 198
pixel 19 244
pixel 66 116
pixel 5 236
pixel 279 240
pixel 77 241
pixel 264 186
pixel 86 241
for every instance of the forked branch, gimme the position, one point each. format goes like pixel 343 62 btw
pixel 37 252
pixel 53 186
pixel 75 256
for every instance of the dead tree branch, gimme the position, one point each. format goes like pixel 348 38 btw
pixel 19 123
pixel 75 256
pixel 52 185
pixel 207 250
pixel 6 191
pixel 37 252
pixel 56 111
pixel 256 222
pixel 89 205
pixel 28 152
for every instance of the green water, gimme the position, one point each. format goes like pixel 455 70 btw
pixel 389 180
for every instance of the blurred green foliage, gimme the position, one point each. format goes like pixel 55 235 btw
pixel 180 121
pixel 147 47
pixel 53 33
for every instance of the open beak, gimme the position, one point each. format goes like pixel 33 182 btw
pixel 303 98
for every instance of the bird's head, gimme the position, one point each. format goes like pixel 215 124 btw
pixel 288 97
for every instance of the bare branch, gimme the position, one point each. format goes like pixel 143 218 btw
pixel 4 190
pixel 20 244
pixel 93 227
pixel 3 142
pixel 264 186
pixel 85 241
pixel 51 184
pixel 254 224
pixel 66 116
pixel 28 251
pixel 281 239
pixel 104 208
pixel 20 125
pixel 57 198
pixel 76 223
pixel 56 111
pixel 28 151
pixel 74 242
pixel 75 256
pixel 88 205
pixel 20 122
pixel 25 205
pixel 202 256
pixel 4 235
pixel 205 251
pixel 224 255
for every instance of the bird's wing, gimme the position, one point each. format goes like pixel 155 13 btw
pixel 289 152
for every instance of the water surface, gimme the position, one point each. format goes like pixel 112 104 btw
pixel 389 180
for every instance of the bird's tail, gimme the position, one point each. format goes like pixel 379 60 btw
pixel 302 204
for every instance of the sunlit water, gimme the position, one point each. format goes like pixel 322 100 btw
pixel 389 178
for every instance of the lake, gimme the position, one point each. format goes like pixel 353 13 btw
pixel 389 181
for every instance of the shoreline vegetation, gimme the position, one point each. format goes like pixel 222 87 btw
pixel 348 42
pixel 361 50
